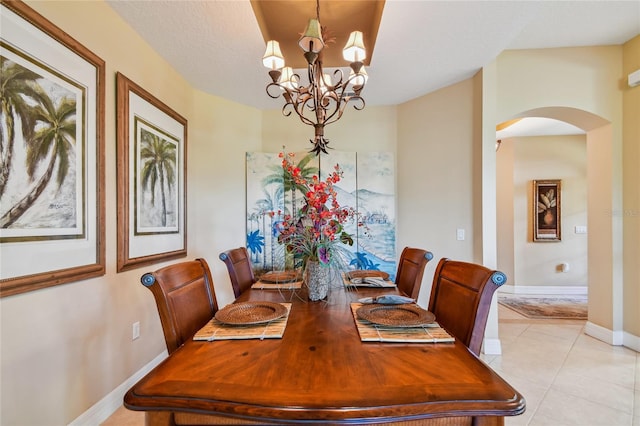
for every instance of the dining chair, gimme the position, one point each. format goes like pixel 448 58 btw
pixel 239 267
pixel 185 299
pixel 411 269
pixel 461 297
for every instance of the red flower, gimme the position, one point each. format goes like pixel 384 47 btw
pixel 319 224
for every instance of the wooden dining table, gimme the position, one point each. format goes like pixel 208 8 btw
pixel 321 372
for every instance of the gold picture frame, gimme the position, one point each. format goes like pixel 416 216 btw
pixel 547 217
pixel 52 231
pixel 152 187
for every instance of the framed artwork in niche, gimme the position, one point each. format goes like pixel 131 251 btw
pixel 52 155
pixel 152 187
pixel 547 210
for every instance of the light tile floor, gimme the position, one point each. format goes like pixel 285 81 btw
pixel 566 377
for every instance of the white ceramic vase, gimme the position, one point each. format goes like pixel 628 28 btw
pixel 317 279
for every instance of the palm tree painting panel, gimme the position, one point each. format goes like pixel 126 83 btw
pixel 270 196
pixel 151 146
pixel 51 155
pixel 257 166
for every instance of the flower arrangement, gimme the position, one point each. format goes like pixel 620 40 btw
pixel 316 232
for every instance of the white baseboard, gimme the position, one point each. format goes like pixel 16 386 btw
pixel 603 334
pixel 104 408
pixel 631 341
pixel 492 347
pixel 615 338
pixel 550 290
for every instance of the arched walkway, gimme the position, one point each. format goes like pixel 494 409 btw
pixel 604 225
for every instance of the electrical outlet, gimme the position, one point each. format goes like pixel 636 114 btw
pixel 135 330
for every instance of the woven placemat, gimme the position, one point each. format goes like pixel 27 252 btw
pixel 215 330
pixel 260 285
pixel 369 332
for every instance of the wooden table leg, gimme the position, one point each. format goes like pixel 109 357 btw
pixel 488 421
pixel 159 418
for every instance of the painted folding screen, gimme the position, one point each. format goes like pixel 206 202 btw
pixel 367 185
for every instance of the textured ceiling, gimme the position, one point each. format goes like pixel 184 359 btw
pixel 421 46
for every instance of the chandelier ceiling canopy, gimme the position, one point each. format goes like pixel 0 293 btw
pixel 316 95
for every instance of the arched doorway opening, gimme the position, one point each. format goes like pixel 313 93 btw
pixel 604 227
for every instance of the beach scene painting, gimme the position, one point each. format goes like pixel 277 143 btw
pixel 367 185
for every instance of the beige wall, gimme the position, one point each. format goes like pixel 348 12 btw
pixel 535 264
pixel 437 171
pixel 222 132
pixel 604 282
pixel 588 78
pixel 64 348
pixel 506 215
pixel 369 130
pixel 631 209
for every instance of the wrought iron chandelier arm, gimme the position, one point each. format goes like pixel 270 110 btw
pixel 298 105
pixel 270 86
pixel 295 100
pixel 341 98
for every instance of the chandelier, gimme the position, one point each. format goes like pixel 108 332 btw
pixel 323 100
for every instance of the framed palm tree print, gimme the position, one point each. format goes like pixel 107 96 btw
pixel 51 154
pixel 152 141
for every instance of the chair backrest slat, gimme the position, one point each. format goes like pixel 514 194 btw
pixel 240 272
pixel 461 298
pixel 185 299
pixel 411 269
